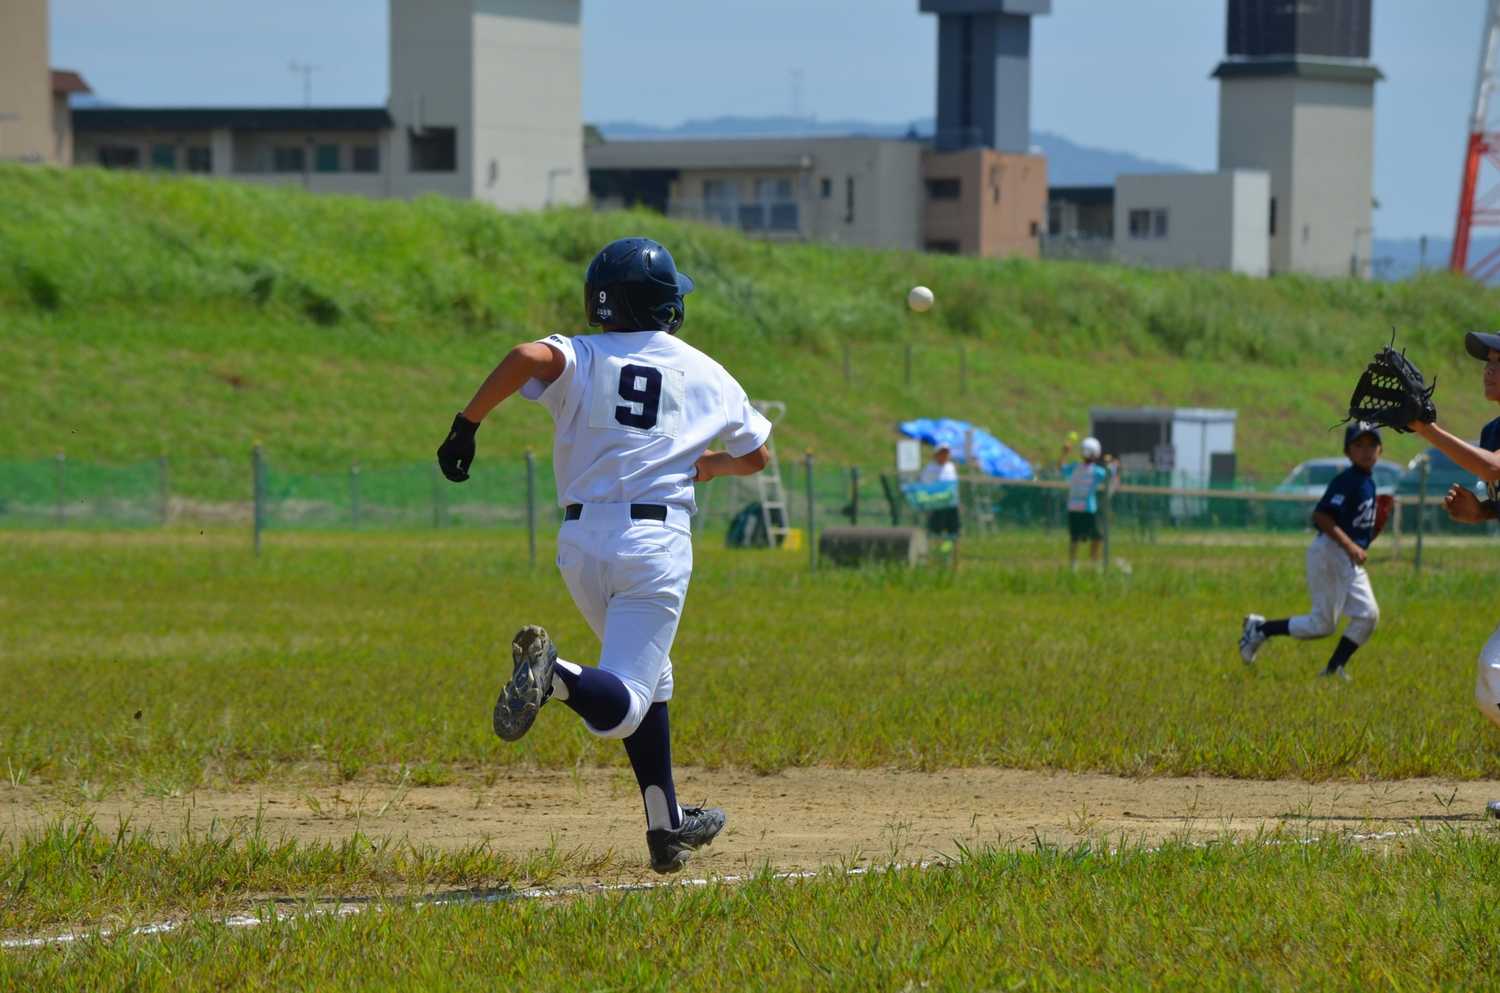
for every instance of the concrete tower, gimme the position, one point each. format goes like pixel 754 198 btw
pixel 1297 99
pixel 26 125
pixel 984 72
pixel 487 98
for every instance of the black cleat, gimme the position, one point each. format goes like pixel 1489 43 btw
pixel 530 684
pixel 670 850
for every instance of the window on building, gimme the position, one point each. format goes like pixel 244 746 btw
pixel 1148 222
pixel 200 158
pixel 767 190
pixel 119 156
pixel 849 200
pixel 721 201
pixel 433 150
pixel 943 247
pixel 825 188
pixel 164 157
pixel 326 158
pixel 366 158
pixel 1272 227
pixel 1036 229
pixel 288 158
pixel 943 189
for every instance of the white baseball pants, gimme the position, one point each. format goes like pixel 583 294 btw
pixel 629 579
pixel 1336 586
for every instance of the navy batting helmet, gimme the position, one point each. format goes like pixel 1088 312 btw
pixel 1358 428
pixel 634 283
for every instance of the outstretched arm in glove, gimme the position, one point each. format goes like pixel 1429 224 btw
pixel 531 360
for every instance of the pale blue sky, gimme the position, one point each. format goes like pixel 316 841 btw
pixel 1130 75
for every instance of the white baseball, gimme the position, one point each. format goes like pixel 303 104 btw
pixel 919 299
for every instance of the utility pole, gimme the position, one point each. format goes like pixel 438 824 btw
pixel 306 71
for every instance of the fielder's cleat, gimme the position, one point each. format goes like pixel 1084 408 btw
pixel 670 850
pixel 1340 673
pixel 1251 637
pixel 530 684
pixel 1493 808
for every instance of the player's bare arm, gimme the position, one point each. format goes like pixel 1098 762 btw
pixel 1485 465
pixel 711 465
pixel 527 361
pixel 1327 525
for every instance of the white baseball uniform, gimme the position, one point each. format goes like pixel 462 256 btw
pixel 634 410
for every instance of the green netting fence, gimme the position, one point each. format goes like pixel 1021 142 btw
pixel 519 493
pixel 59 492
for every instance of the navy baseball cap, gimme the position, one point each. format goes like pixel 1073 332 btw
pixel 1479 344
pixel 1358 428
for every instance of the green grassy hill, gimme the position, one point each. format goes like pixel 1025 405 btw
pixel 143 315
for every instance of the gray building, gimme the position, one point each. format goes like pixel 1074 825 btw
pixel 1297 100
pixel 465 118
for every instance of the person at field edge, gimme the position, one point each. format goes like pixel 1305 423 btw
pixel 635 410
pixel 1348 517
pixel 944 521
pixel 1465 507
pixel 1085 477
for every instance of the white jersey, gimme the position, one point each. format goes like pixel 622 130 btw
pixel 634 411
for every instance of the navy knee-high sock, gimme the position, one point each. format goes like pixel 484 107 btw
pixel 594 694
pixel 1341 654
pixel 650 751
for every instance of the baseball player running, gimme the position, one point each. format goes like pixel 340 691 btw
pixel 635 410
pixel 1346 519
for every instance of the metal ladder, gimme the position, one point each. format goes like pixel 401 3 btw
pixel 769 490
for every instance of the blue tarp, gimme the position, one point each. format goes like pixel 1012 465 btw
pixel 992 454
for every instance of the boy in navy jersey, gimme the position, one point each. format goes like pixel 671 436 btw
pixel 1336 579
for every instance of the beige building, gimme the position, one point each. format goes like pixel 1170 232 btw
pixel 859 191
pixel 466 117
pixel 985 203
pixel 875 192
pixel 34 120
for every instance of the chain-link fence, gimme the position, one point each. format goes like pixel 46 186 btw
pixel 519 493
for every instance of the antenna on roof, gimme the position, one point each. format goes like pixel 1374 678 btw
pixel 306 71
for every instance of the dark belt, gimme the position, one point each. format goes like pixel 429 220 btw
pixel 638 511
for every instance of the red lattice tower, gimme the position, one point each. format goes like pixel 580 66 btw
pixel 1476 208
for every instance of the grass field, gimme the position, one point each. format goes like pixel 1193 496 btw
pixel 174 660
pixel 1272 913
pixel 213 315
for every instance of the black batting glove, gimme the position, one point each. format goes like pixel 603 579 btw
pixel 456 453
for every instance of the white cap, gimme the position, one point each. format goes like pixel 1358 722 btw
pixel 1091 448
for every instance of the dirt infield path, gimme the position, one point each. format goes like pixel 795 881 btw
pixel 798 819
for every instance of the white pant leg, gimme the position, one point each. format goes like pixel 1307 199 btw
pixel 1329 577
pixel 1360 606
pixel 1487 686
pixel 634 584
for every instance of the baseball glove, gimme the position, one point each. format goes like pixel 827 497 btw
pixel 1392 393
pixel 1384 504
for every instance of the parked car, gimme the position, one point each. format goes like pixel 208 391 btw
pixel 1312 477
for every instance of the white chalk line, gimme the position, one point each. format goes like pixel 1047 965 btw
pixel 351 909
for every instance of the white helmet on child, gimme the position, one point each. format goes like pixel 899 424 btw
pixel 1091 448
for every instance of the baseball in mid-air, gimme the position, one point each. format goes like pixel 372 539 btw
pixel 919 299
